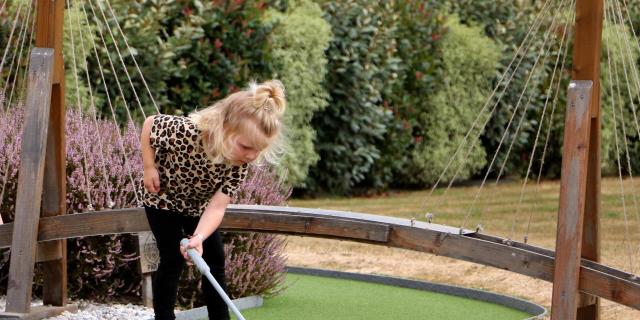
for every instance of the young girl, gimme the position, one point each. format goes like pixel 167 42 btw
pixel 192 168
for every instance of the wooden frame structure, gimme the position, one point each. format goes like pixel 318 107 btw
pixel 36 236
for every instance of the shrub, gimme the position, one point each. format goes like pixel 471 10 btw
pixel 297 46
pixel 362 67
pixel 419 33
pixel 469 58
pixel 191 52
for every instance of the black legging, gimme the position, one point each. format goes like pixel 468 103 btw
pixel 169 228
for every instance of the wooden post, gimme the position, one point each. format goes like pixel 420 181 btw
pixel 148 263
pixel 41 183
pixel 586 66
pixel 30 182
pixel 572 202
pixel 50 19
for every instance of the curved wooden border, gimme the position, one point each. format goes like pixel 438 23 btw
pixel 595 279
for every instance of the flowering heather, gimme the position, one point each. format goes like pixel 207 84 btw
pixel 98 177
pixel 103 170
pixel 255 263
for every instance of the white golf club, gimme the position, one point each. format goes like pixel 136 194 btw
pixel 205 270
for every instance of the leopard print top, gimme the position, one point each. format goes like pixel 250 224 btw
pixel 188 179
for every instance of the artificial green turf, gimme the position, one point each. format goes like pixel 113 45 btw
pixel 311 298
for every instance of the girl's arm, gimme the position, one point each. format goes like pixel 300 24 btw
pixel 150 175
pixel 209 221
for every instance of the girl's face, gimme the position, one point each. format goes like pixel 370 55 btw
pixel 243 150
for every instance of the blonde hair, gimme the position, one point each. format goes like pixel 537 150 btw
pixel 256 112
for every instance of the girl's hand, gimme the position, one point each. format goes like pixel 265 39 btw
pixel 195 242
pixel 151 179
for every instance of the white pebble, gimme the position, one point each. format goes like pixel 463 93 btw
pixel 93 311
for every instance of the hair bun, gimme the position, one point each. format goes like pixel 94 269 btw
pixel 269 96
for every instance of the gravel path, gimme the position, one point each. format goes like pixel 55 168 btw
pixel 91 311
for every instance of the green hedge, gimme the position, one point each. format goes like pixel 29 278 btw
pixel 362 66
pixel 470 60
pixel 419 33
pixel 192 53
pixel 297 45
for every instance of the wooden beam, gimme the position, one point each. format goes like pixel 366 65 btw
pixel 49 31
pixel 586 66
pixel 595 279
pixel 572 201
pixel 30 181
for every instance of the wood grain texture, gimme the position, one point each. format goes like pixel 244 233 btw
pixel 492 251
pixel 586 66
pixel 54 190
pixel 573 188
pixel 30 181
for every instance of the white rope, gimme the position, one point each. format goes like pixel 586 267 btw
pixel 15 21
pixel 22 37
pixel 550 124
pixel 3 4
pixel 519 54
pixel 124 66
pixel 629 56
pixel 617 94
pixel 132 55
pixel 113 114
pixel 23 88
pixel 527 105
pixel 110 204
pixel 6 50
pixel 635 73
pixel 540 124
pixel 14 148
pixel 506 131
pixel 85 163
pixel 633 67
pixel 113 69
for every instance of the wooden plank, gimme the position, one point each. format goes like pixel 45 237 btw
pixel 586 66
pixel 49 31
pixel 30 181
pixel 496 254
pixel 572 201
pixel 49 251
pixel 147 292
pixel 327 227
pixel 91 224
pixel 352 215
pixel 585 262
pixel 54 192
pixel 586 47
pixel 491 251
pixel 114 221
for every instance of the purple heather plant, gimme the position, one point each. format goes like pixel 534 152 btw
pixel 104 169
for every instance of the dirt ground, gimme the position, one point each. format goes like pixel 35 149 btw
pixel 370 259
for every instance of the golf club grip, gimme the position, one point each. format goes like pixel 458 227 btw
pixel 204 269
pixel 195 257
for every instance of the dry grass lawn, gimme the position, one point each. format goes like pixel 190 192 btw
pixel 502 210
